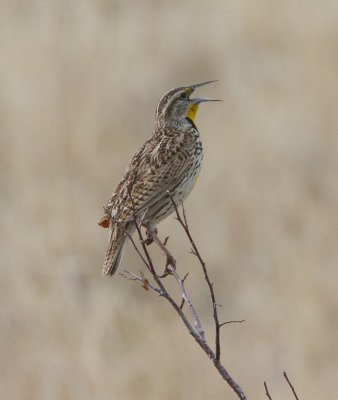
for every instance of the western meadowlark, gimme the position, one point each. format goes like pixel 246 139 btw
pixel 169 161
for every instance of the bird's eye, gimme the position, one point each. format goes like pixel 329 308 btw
pixel 184 95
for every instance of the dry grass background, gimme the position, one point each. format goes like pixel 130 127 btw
pixel 79 86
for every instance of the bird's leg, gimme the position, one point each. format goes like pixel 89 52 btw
pixel 170 262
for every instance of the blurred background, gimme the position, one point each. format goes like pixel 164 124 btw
pixel 79 86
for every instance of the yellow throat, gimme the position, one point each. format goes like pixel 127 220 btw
pixel 192 112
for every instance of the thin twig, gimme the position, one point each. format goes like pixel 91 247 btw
pixel 144 247
pixel 196 332
pixel 184 278
pixel 133 277
pixel 267 391
pixel 291 386
pixel 214 356
pixel 164 292
pixel 137 250
pixel 232 322
pixel 184 224
pixel 198 325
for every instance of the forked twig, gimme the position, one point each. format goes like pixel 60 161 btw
pixel 196 331
pixel 146 284
pixel 185 226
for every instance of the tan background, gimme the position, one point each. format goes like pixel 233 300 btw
pixel 79 86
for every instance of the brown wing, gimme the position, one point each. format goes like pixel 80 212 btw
pixel 154 169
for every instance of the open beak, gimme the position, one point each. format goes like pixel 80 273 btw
pixel 199 100
pixel 201 84
pixel 194 103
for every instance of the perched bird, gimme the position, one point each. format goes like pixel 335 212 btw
pixel 170 160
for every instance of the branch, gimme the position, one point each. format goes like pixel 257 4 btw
pixel 291 386
pixel 289 383
pixel 232 322
pixel 185 226
pixel 197 331
pixel 146 284
pixel 185 298
pixel 267 391
pixel 150 266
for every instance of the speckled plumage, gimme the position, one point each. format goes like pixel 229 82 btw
pixel 170 160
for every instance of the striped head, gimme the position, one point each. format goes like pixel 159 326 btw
pixel 176 105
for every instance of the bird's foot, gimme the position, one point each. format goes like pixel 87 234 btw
pixel 169 266
pixel 149 240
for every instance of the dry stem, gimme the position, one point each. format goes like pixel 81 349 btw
pixel 196 331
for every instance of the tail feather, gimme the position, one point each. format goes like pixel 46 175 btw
pixel 115 251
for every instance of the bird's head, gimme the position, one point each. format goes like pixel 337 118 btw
pixel 176 105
